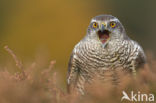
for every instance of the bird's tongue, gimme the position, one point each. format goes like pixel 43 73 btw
pixel 103 35
pixel 104 38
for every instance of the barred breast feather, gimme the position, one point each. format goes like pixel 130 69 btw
pixel 89 57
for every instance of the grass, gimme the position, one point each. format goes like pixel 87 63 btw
pixel 31 85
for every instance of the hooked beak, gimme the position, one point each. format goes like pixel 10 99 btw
pixel 103 34
pixel 102 27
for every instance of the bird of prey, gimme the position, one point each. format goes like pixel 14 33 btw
pixel 105 47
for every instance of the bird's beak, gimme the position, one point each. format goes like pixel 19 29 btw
pixel 103 27
pixel 103 34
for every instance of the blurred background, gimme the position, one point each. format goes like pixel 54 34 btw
pixel 44 30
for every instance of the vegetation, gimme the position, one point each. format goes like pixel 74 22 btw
pixel 33 85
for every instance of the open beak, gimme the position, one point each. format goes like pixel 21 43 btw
pixel 103 33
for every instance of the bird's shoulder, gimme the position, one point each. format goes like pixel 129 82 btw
pixel 137 48
pixel 81 45
pixel 136 45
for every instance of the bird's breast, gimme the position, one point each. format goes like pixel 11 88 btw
pixel 93 55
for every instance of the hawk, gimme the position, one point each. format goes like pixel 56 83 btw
pixel 105 47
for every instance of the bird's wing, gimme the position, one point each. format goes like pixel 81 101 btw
pixel 73 72
pixel 141 57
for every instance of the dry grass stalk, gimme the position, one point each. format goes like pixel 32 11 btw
pixel 19 64
pixel 43 87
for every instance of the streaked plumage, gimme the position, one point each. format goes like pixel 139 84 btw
pixel 105 47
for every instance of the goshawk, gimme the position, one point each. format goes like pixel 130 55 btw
pixel 105 47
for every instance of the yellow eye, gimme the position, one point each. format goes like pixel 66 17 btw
pixel 112 24
pixel 95 25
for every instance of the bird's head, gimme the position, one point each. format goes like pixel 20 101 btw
pixel 106 28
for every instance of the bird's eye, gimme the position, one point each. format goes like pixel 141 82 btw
pixel 95 25
pixel 112 24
